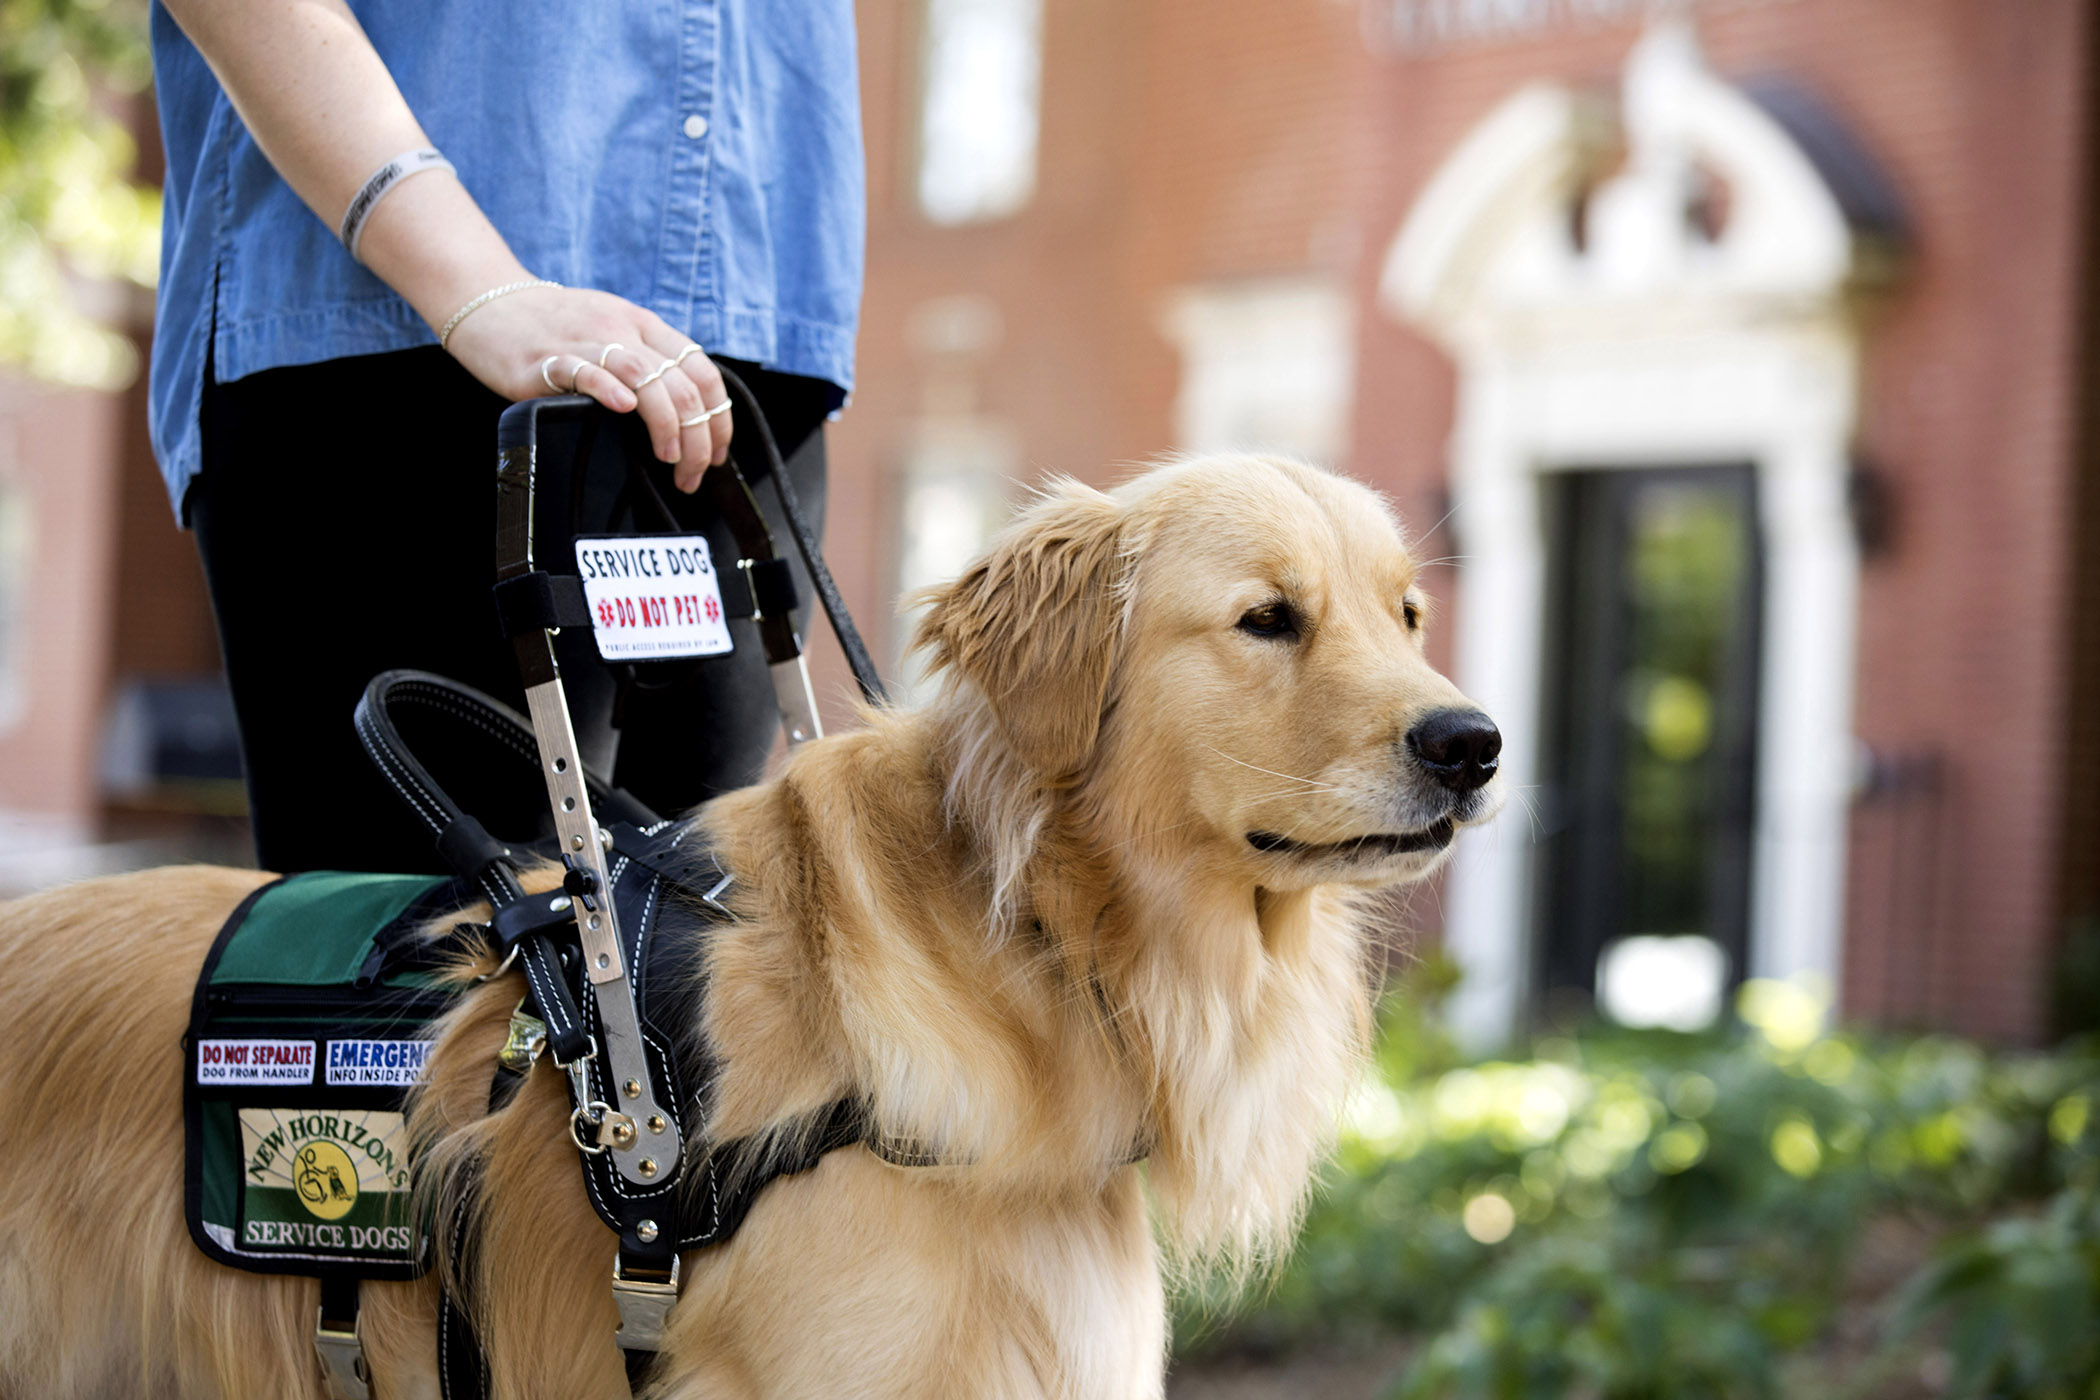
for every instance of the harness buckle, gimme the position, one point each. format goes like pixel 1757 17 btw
pixel 597 1115
pixel 343 1371
pixel 644 1307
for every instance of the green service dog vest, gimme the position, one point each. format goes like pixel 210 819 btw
pixel 310 1023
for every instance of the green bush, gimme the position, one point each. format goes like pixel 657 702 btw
pixel 1660 1215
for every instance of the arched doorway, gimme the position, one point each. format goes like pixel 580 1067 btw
pixel 1654 307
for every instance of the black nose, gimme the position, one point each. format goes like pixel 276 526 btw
pixel 1459 747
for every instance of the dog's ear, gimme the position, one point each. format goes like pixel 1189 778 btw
pixel 1032 624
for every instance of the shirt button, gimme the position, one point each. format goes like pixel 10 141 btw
pixel 696 126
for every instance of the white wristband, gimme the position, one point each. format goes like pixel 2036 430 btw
pixel 380 186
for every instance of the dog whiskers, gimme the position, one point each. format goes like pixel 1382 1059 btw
pixel 1287 777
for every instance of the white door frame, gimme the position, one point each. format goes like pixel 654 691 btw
pixel 1653 344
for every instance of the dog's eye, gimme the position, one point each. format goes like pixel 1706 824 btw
pixel 1270 620
pixel 1410 610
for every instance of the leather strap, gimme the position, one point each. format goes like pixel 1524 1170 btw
pixel 752 419
pixel 463 1369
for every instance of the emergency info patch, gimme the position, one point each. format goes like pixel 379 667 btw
pixel 652 596
pixel 255 1062
pixel 376 1061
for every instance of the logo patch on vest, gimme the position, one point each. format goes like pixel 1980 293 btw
pixel 255 1062
pixel 386 1062
pixel 326 1182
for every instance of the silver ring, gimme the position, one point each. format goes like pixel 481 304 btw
pixel 703 415
pixel 602 354
pixel 580 363
pixel 654 375
pixel 548 379
pixel 690 350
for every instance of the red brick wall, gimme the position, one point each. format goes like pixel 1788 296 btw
pixel 1182 140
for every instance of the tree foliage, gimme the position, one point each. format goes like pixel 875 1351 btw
pixel 74 227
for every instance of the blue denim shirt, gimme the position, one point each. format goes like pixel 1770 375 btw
pixel 701 158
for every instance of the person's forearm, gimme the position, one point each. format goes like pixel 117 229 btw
pixel 320 103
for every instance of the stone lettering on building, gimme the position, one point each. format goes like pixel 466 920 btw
pixel 1412 27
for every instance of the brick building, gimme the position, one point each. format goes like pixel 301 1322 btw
pixel 1727 354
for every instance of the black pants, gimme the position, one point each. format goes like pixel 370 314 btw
pixel 346 516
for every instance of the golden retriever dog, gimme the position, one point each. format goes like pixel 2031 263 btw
pixel 1101 899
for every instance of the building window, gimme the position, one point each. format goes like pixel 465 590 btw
pixel 17 532
pixel 954 492
pixel 982 69
pixel 1265 366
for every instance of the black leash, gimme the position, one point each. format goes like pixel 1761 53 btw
pixel 749 416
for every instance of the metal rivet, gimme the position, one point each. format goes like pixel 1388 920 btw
pixel 604 960
pixel 605 837
pixel 558 903
pixel 797 735
pixel 594 921
pixel 646 1232
pixel 623 1133
pixel 647 1167
pixel 576 842
pixel 632 1088
pixel 656 1122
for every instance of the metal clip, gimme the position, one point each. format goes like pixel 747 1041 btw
pixel 528 1037
pixel 343 1370
pixel 644 1307
pixel 758 613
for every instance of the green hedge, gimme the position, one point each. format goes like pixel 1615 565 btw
pixel 1660 1215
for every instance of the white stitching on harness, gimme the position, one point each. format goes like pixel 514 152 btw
pixel 417 799
pixel 544 995
pixel 457 705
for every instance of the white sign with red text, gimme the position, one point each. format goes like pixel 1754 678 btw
pixel 652 596
pixel 255 1062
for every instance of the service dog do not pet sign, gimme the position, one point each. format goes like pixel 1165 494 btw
pixel 652 597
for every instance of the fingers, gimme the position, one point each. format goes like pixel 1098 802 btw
pixel 666 397
pixel 694 387
pixel 702 371
pixel 601 384
pixel 661 376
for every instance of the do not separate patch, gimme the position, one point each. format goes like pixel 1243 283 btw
pixel 652 597
pixel 255 1062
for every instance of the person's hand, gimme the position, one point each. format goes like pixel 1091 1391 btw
pixel 650 368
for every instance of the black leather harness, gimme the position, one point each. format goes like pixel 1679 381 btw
pixel 667 891
pixel 613 959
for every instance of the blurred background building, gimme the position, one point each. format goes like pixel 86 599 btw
pixel 1726 358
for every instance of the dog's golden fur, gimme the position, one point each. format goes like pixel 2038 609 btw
pixel 1025 924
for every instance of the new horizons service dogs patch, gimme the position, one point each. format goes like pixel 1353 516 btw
pixel 320 1181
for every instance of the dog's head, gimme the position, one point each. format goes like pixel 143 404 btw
pixel 1227 652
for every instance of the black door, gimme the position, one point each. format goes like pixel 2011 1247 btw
pixel 1651 720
